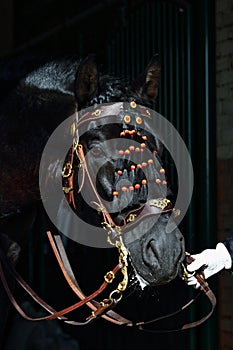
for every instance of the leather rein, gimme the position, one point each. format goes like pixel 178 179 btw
pixel 98 309
pixel 104 308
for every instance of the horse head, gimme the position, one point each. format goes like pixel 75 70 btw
pixel 123 162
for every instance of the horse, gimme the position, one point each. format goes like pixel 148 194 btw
pixel 30 113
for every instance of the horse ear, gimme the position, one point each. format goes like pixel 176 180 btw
pixel 86 82
pixel 147 84
pixel 152 75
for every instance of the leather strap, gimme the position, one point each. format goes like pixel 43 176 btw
pixel 211 297
pixel 54 314
pixel 149 209
pixel 70 278
pixel 104 311
pixel 106 215
pixel 108 110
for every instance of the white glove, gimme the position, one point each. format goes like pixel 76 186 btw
pixel 212 260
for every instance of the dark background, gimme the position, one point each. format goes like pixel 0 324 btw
pixel 124 35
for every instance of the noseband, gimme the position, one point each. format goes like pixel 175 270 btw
pixel 152 207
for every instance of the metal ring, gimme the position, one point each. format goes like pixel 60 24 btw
pixel 117 292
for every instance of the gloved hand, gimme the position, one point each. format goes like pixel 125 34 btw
pixel 212 260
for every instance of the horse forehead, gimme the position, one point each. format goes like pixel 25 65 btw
pixel 101 134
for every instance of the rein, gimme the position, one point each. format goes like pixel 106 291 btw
pixel 114 237
pixel 103 308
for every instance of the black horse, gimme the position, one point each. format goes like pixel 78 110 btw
pixel 29 114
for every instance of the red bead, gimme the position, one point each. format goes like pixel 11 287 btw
pixel 139 166
pixel 143 145
pixel 127 118
pixel 158 181
pixel 132 148
pixel 119 172
pixel 131 188
pixel 144 138
pixel 137 186
pixel 150 161
pixel 133 104
pixel 124 188
pixel 139 120
pixel 115 193
pixel 144 164
pixel 164 182
pixel 133 167
pixel 127 151
pixel 144 182
pixel 137 149
pixel 121 152
pixel 162 171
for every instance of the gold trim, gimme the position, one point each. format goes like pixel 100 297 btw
pixel 160 203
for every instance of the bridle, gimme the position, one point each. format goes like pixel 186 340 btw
pixel 114 236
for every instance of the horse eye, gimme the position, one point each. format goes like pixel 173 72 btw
pixel 97 151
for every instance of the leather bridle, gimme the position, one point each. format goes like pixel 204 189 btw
pixel 98 309
pixel 114 236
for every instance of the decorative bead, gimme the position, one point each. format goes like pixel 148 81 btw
pixel 122 133
pixel 144 138
pixel 143 145
pixel 162 171
pixel 132 132
pixel 139 166
pixel 119 172
pixel 158 181
pixel 131 188
pixel 137 186
pixel 124 189
pixel 133 104
pixel 144 182
pixel 150 161
pixel 127 119
pixel 121 152
pixel 144 164
pixel 132 148
pixel 115 193
pixel 127 151
pixel 139 120
pixel 154 151
pixel 164 182
pixel 133 167
pixel 137 149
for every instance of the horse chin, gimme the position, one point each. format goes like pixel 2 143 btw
pixel 152 278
